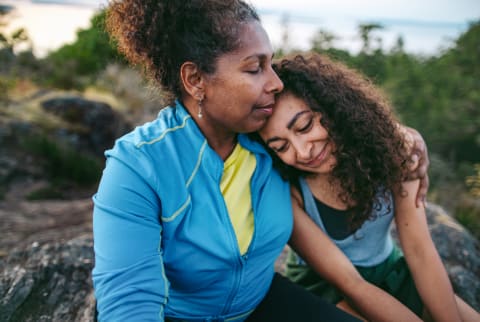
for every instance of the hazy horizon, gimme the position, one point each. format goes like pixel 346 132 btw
pixel 426 27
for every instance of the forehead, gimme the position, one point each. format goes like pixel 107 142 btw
pixel 253 43
pixel 286 107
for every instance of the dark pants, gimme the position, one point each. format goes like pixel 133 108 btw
pixel 289 302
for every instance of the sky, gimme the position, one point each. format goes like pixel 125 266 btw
pixel 426 26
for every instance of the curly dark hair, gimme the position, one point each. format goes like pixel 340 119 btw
pixel 370 149
pixel 161 35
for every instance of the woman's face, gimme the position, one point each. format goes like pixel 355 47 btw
pixel 239 96
pixel 295 134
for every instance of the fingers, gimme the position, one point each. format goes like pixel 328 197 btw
pixel 421 199
pixel 416 167
pixel 418 164
pixel 413 162
pixel 422 168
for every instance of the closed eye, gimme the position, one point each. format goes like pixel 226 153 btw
pixel 307 126
pixel 281 148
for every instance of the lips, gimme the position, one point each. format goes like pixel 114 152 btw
pixel 266 109
pixel 319 158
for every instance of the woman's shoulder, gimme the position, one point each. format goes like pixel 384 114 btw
pixel 169 120
pixel 170 133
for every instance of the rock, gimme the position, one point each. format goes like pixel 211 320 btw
pixel 459 250
pixel 454 243
pixel 101 124
pixel 50 282
pixel 460 253
pixel 50 279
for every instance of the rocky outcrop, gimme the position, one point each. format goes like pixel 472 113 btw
pixel 46 257
pixel 50 279
pixel 97 124
pixel 55 136
pixel 49 282
pixel 460 253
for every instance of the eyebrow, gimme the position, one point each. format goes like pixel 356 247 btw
pixel 259 57
pixel 273 139
pixel 289 126
pixel 295 118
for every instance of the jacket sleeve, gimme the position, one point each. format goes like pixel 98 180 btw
pixel 129 277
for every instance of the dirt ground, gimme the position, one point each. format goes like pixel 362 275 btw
pixel 24 222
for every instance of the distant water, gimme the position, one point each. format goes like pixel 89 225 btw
pixel 48 24
pixel 90 3
pixel 51 23
pixel 419 37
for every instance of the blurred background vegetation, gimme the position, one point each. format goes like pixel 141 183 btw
pixel 439 95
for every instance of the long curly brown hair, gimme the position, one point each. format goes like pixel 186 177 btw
pixel 370 149
pixel 161 35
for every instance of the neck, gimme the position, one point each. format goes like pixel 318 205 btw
pixel 224 146
pixel 221 140
pixel 327 190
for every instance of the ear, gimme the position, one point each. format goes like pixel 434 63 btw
pixel 193 80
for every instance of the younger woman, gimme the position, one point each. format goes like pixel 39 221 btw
pixel 334 137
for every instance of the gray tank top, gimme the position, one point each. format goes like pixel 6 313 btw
pixel 371 244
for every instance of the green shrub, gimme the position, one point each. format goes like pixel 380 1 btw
pixel 468 214
pixel 50 192
pixel 6 84
pixel 76 64
pixel 61 163
pixel 473 182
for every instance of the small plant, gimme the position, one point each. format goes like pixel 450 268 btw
pixel 63 164
pixel 45 193
pixel 473 182
pixel 467 213
pixel 5 85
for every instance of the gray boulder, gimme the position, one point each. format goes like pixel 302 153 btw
pixel 51 280
pixel 94 125
pixel 460 253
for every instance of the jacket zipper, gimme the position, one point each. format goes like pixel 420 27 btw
pixel 240 259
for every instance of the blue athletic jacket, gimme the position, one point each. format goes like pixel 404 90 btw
pixel 164 244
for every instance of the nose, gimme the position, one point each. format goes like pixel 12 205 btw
pixel 274 84
pixel 303 149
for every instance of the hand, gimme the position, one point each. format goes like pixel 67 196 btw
pixel 419 163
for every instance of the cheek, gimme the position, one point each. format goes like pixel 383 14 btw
pixel 287 158
pixel 320 133
pixel 334 161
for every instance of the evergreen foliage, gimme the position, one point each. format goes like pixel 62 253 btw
pixel 438 95
pixel 75 65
